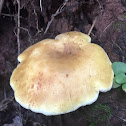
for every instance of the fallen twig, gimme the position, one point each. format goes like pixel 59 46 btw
pixel 106 28
pixel 1 5
pixel 92 26
pixel 100 6
pixel 4 103
pixel 10 15
pixel 36 17
pixel 41 5
pixel 18 42
pixel 59 10
pixel 124 120
pixel 18 28
pixel 30 38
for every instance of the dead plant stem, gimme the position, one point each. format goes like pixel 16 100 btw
pixel 106 28
pixel 1 5
pixel 41 5
pixel 92 26
pixel 30 38
pixel 4 103
pixel 124 120
pixel 18 42
pixel 59 10
pixel 18 27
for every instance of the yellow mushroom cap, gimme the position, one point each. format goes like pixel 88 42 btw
pixel 57 76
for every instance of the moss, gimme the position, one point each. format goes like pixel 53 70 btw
pixel 119 25
pixel 99 114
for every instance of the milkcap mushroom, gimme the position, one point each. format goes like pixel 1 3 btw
pixel 57 76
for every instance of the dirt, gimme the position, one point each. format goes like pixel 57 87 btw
pixel 78 15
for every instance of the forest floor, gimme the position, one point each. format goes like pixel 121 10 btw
pixel 46 20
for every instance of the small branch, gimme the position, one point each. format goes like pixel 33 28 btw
pixel 4 103
pixel 92 26
pixel 121 51
pixel 1 5
pixel 8 15
pixel 106 28
pixel 124 120
pixel 30 38
pixel 59 10
pixel 18 28
pixel 18 42
pixel 41 5
pixel 36 17
pixel 100 6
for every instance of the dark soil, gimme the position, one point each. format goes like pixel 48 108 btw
pixel 78 15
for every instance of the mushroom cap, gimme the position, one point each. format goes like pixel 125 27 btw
pixel 57 76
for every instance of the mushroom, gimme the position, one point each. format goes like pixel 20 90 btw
pixel 57 76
